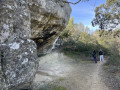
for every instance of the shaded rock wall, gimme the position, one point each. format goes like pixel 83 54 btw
pixel 48 21
pixel 23 24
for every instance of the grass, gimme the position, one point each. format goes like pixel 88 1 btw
pixel 83 62
pixel 61 79
pixel 52 87
pixel 113 64
pixel 78 57
pixel 106 66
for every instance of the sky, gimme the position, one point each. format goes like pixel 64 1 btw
pixel 84 12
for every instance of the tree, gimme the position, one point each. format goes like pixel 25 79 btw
pixel 81 27
pixel 68 30
pixel 74 2
pixel 87 29
pixel 107 16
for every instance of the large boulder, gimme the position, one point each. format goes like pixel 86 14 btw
pixel 25 26
pixel 48 19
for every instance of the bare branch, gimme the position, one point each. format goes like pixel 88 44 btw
pixel 75 2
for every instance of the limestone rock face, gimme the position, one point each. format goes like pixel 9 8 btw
pixel 25 26
pixel 48 19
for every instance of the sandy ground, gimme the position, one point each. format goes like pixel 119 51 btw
pixel 64 71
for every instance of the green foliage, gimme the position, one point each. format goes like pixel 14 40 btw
pixel 107 15
pixel 114 60
pixel 67 32
pixel 86 49
pixel 52 87
pixel 81 42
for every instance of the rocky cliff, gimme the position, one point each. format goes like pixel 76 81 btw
pixel 25 27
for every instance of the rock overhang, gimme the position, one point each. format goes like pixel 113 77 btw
pixel 23 20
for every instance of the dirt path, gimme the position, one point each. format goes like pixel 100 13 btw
pixel 64 71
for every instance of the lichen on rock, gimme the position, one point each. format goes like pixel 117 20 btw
pixel 25 26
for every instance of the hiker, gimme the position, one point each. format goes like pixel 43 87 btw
pixel 101 55
pixel 94 56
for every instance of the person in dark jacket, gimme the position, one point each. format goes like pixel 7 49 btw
pixel 94 56
pixel 101 55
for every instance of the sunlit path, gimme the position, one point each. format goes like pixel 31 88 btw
pixel 64 71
